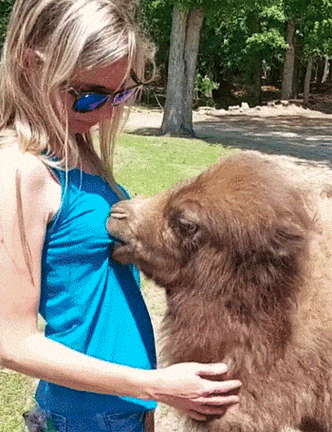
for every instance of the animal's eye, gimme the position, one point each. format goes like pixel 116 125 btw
pixel 187 227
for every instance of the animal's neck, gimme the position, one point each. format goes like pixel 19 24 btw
pixel 225 325
pixel 190 336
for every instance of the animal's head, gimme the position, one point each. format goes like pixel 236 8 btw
pixel 237 226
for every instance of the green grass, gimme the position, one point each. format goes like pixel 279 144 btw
pixel 16 393
pixel 144 165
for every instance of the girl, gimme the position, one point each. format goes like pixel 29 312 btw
pixel 68 65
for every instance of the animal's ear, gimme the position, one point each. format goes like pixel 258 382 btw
pixel 290 238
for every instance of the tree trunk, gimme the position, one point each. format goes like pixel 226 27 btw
pixel 258 66
pixel 186 26
pixel 172 119
pixel 286 90
pixel 326 69
pixel 194 25
pixel 298 69
pixel 307 80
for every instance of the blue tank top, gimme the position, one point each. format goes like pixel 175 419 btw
pixel 91 303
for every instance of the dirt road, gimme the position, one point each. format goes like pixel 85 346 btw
pixel 281 130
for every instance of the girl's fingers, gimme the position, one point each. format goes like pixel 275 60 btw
pixel 212 370
pixel 215 410
pixel 218 401
pixel 221 387
pixel 202 413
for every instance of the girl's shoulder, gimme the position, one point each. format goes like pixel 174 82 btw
pixel 25 174
pixel 25 166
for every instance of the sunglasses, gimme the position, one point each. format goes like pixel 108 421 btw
pixel 89 101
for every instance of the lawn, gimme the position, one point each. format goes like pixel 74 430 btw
pixel 144 165
pixel 147 164
pixel 16 392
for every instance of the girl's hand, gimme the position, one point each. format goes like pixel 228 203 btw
pixel 196 388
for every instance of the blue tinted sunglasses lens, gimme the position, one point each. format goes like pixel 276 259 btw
pixel 123 97
pixel 89 102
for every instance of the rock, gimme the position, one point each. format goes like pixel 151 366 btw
pixel 221 112
pixel 234 108
pixel 245 106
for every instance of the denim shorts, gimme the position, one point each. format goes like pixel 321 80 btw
pixel 99 422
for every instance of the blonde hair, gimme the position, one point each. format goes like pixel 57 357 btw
pixel 58 38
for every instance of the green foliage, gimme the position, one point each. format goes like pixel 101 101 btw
pixel 265 43
pixel 156 19
pixel 313 20
pixel 211 7
pixel 204 86
pixel 316 28
pixel 239 36
pixel 5 9
pixel 232 45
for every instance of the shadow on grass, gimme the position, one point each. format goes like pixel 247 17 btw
pixel 302 137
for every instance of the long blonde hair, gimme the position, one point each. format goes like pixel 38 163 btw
pixel 57 38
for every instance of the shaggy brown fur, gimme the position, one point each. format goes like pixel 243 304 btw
pixel 247 272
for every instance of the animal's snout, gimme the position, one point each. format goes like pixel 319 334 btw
pixel 123 226
pixel 120 210
pixel 120 216
pixel 129 209
pixel 125 217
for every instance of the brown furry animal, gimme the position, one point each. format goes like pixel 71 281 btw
pixel 247 271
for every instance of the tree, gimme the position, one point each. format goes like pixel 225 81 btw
pixel 188 17
pixel 181 72
pixel 241 49
pixel 264 44
pixel 242 46
pixel 309 25
pixel 287 81
pixel 317 38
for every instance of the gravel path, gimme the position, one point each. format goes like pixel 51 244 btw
pixel 280 130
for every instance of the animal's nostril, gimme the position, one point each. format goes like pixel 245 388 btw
pixel 118 214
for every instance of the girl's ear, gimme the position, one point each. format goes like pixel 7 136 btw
pixel 33 58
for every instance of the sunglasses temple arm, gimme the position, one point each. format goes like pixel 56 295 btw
pixel 135 78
